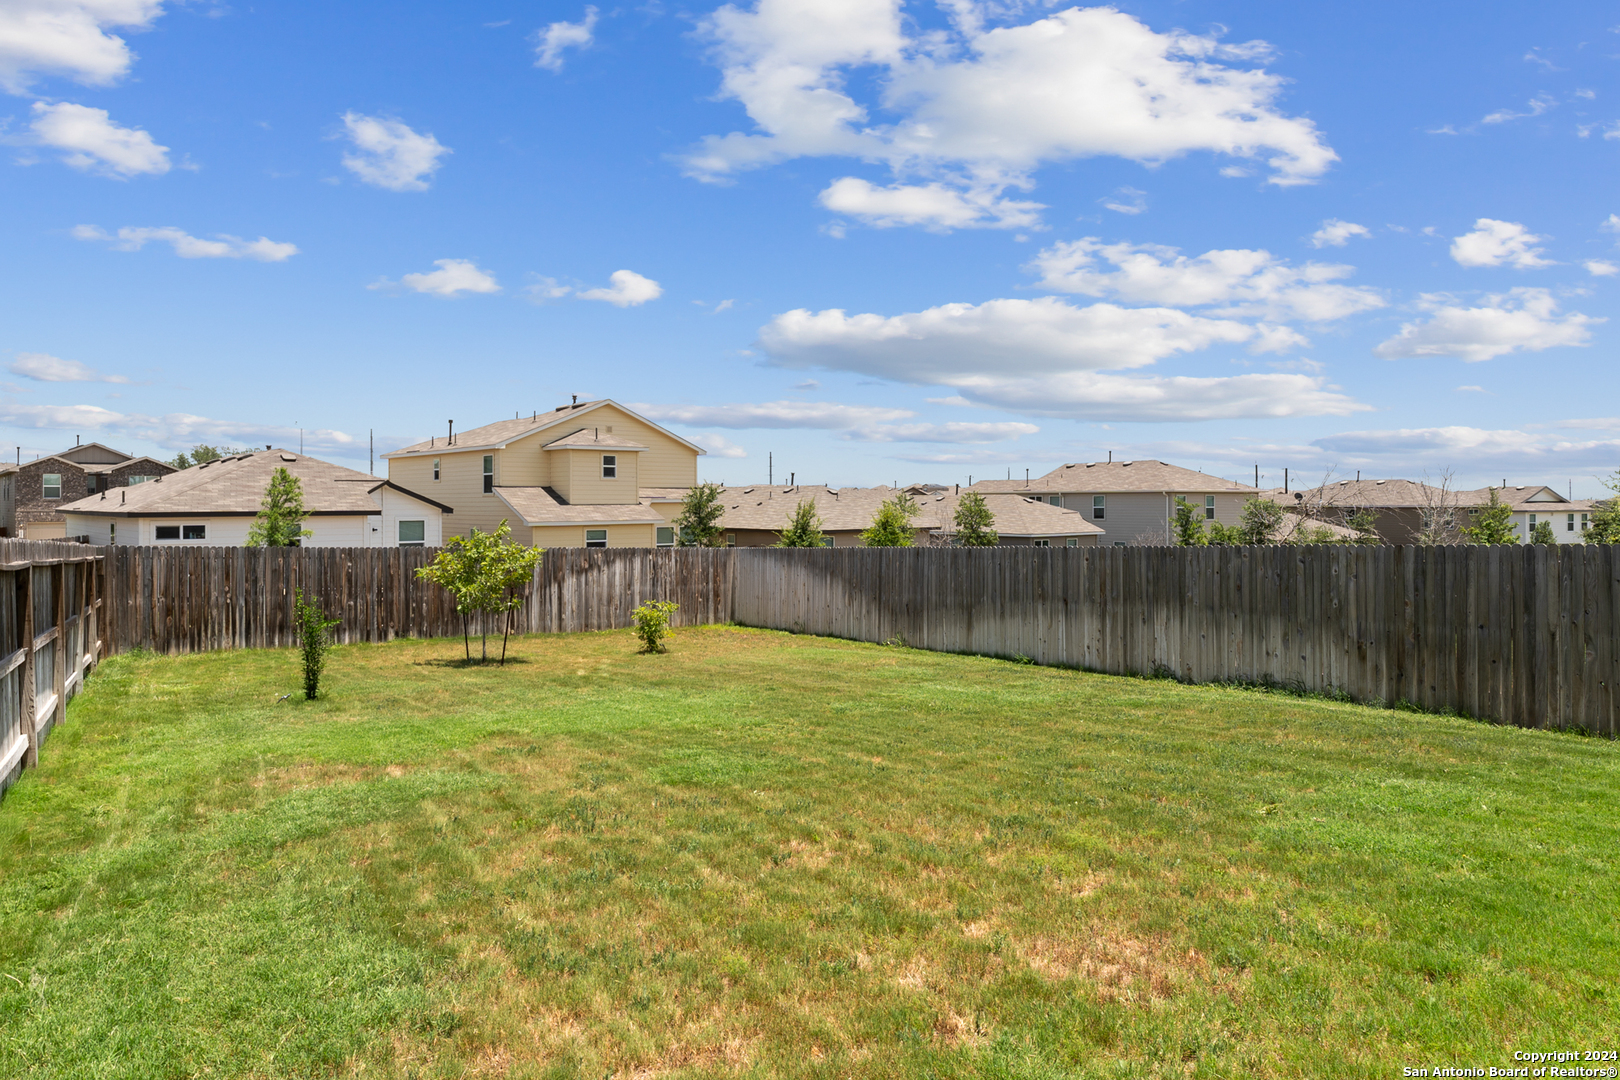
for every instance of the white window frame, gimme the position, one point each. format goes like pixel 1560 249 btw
pixel 610 466
pixel 201 530
pixel 1099 507
pixel 112 532
pixel 827 541
pixel 131 481
pixel 731 539
pixel 399 529
pixel 489 474
pixel 1585 524
pixel 1209 508
pixel 158 537
pixel 658 536
pixel 1073 541
pixel 45 485
pixel 435 468
pixel 1041 542
pixel 1571 526
pixel 596 538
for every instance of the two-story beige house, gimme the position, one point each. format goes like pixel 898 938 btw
pixel 589 474
pixel 1134 501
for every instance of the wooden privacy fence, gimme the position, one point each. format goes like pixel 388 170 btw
pixel 49 639
pixel 1522 634
pixel 180 600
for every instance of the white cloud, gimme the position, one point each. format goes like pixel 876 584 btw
pixel 1046 357
pixel 1534 107
pixel 1125 200
pixel 1499 243
pixel 954 432
pixel 186 246
pixel 981 109
pixel 551 42
pixel 1610 223
pixel 724 305
pixel 94 143
pixel 1471 389
pixel 628 289
pixel 719 446
pixel 42 367
pixel 933 206
pixel 1601 267
pixel 940 344
pixel 176 430
pixel 1521 320
pixel 1336 233
pixel 68 37
pixel 388 154
pixel 1099 396
pixel 453 276
pixel 827 416
pixel 1472 447
pixel 1243 282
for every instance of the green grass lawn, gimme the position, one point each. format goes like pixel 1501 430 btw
pixel 771 855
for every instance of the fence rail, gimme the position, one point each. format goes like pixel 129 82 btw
pixel 1520 634
pixel 50 637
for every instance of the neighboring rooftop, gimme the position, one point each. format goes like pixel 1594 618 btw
pixel 235 485
pixel 501 432
pixel 768 507
pixel 1118 476
pixel 543 506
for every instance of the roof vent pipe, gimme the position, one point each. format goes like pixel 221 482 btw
pixel 1110 457
pixel 450 439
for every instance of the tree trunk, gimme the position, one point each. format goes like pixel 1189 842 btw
pixel 466 638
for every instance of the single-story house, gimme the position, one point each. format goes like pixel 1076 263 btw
pixel 1401 508
pixel 214 505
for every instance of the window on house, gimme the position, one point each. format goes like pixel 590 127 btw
pixel 1056 500
pixel 112 533
pixel 1571 527
pixel 1532 521
pixel 610 466
pixel 1074 541
pixel 51 483
pixel 90 485
pixel 435 468
pixel 1097 507
pixel 412 533
pixel 731 539
pixel 596 538
pixel 827 541
pixel 139 479
pixel 1043 543
pixel 1209 508
pixel 666 536
pixel 168 532
pixel 489 473
pixel 193 532
pixel 1119 543
pixel 1584 523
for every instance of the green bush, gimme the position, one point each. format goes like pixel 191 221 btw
pixel 315 639
pixel 652 624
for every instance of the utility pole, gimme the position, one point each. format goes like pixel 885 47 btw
pixel 371 439
pixel 770 469
pixel 1257 474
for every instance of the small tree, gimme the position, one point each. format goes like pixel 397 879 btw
pixel 1260 522
pixel 974 522
pixel 1365 523
pixel 201 453
pixel 1493 523
pixel 892 527
pixel 1542 533
pixel 314 638
pixel 652 624
pixel 1187 527
pixel 1605 516
pixel 804 528
pixel 698 523
pixel 486 574
pixel 281 515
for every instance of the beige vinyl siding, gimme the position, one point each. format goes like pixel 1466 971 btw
pixel 586 486
pixel 665 463
pixel 460 486
pixel 619 536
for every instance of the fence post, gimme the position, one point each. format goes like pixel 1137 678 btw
pixel 25 577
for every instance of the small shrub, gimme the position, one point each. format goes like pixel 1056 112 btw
pixel 652 624
pixel 315 638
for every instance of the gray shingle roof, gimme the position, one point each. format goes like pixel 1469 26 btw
pixel 543 506
pixel 236 485
pixel 1118 476
pixel 592 438
pixel 502 432
pixel 763 507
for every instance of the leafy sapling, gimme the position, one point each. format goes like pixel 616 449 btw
pixel 652 624
pixel 314 639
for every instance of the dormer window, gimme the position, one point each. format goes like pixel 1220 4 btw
pixel 489 474
pixel 610 466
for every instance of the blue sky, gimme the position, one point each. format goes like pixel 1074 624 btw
pixel 878 241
